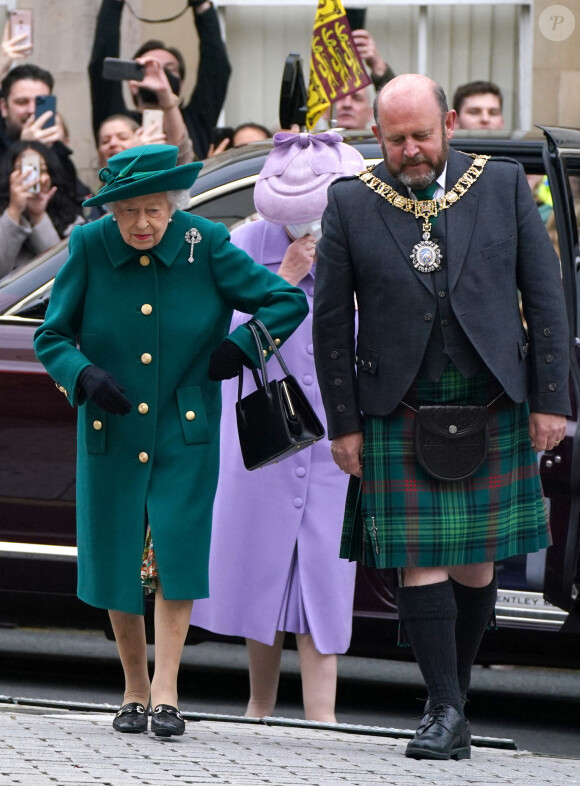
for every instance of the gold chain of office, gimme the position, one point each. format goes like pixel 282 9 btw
pixel 426 208
pixel 426 256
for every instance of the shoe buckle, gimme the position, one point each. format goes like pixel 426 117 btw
pixel 135 708
pixel 168 709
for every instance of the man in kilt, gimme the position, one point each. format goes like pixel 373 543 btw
pixel 433 246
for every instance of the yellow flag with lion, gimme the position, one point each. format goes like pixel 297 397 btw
pixel 335 65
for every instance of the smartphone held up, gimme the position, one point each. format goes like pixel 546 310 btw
pixel 45 104
pixel 118 70
pixel 152 117
pixel 20 22
pixel 30 167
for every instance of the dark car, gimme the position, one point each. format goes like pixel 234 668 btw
pixel 538 612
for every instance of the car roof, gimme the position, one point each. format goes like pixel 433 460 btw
pixel 247 161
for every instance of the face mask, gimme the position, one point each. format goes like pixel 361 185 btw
pixel 310 228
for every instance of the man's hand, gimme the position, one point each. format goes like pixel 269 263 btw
pixel 367 50
pixel 33 130
pixel 546 431
pixel 347 453
pixel 155 79
pixel 298 260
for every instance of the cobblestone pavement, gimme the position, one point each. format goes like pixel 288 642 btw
pixel 40 747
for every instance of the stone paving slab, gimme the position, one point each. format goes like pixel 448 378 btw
pixel 41 748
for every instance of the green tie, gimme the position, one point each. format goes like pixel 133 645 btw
pixel 427 193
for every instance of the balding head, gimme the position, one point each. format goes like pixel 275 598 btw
pixel 409 91
pixel 413 126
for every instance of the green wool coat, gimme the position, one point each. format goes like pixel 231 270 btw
pixel 152 319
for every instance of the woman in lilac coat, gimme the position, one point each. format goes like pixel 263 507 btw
pixel 274 564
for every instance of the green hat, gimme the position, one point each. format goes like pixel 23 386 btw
pixel 138 171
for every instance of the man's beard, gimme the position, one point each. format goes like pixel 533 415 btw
pixel 419 181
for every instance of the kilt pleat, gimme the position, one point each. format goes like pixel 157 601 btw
pixel 399 516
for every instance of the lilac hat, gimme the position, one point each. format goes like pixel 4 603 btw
pixel 292 186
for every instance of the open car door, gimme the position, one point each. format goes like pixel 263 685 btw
pixel 560 468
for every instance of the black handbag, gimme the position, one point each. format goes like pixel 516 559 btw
pixel 451 441
pixel 276 420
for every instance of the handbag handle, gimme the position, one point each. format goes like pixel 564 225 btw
pixel 253 325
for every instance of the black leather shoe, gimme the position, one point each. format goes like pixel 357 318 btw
pixel 445 735
pixel 131 718
pixel 167 720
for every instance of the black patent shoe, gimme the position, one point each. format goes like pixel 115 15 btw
pixel 445 735
pixel 131 718
pixel 167 720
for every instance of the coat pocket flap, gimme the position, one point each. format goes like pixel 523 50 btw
pixel 192 415
pixel 95 428
pixel 497 249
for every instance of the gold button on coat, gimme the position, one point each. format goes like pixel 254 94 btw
pixel 143 408
pixel 144 261
pixel 190 415
pixel 143 457
pixel 146 358
pixel 97 425
pixel 146 309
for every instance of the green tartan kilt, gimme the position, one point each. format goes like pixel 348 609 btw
pixel 399 516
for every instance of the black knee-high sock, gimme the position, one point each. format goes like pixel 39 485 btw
pixel 428 614
pixel 475 607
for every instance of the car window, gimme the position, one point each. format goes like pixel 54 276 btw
pixel 230 207
pixel 31 277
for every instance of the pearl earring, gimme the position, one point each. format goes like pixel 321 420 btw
pixel 114 218
pixel 170 220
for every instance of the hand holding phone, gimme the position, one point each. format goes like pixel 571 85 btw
pixel 150 117
pixel 30 167
pixel 21 25
pixel 46 104
pixel 356 17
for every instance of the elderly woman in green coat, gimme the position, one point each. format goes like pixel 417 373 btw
pixel 136 336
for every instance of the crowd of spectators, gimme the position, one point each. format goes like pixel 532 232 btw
pixel 35 213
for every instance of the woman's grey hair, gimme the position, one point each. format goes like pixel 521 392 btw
pixel 178 200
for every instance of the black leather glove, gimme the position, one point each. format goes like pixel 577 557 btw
pixel 226 361
pixel 102 388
